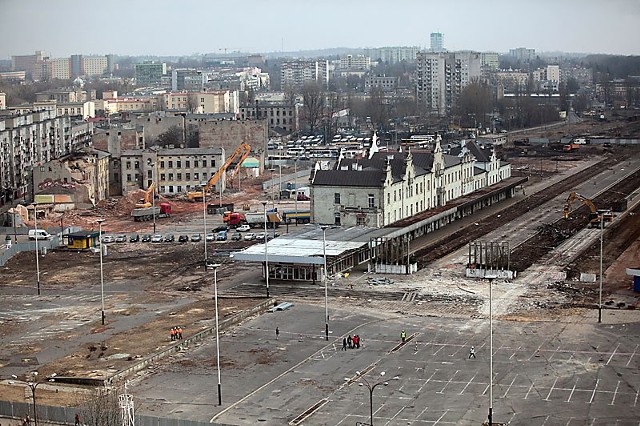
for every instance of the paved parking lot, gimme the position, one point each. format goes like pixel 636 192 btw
pixel 545 373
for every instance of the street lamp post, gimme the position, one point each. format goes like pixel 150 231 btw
pixel 371 388
pixel 35 225
pixel 273 198
pixel 33 385
pixel 153 195
pixel 600 290
pixel 490 278
pixel 266 251
pixel 204 221
pixel 101 270
pixel 15 235
pixel 215 267
pixel 324 278
pixel 295 182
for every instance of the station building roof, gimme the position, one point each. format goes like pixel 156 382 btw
pixel 306 245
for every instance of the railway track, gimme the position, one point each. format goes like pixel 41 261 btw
pixel 464 236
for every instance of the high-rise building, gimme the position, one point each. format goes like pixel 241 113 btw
pixel 393 55
pixel 437 42
pixel 357 62
pixel 150 73
pixel 187 79
pixel 442 76
pixel 297 73
pixel 523 54
pixel 490 60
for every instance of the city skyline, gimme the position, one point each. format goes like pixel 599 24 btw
pixel 163 28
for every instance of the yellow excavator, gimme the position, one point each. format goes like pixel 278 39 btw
pixel 146 201
pixel 239 155
pixel 594 214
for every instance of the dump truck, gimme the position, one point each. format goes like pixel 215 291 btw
pixel 144 214
pixel 256 220
pixel 300 216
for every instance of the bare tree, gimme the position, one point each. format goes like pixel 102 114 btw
pixel 192 103
pixel 101 408
pixel 289 95
pixel 314 102
pixel 378 111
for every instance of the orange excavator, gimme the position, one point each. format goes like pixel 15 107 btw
pixel 594 213
pixel 146 201
pixel 239 155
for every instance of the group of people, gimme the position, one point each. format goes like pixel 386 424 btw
pixel 176 333
pixel 351 342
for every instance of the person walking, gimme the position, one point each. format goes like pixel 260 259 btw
pixel 173 333
pixel 403 336
pixel 277 333
pixel 179 330
pixel 344 343
pixel 472 352
pixel 350 342
pixel 356 341
pixel 77 420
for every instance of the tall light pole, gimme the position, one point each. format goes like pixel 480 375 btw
pixel 491 278
pixel 273 198
pixel 101 271
pixel 295 181
pixel 324 278
pixel 266 251
pixel 35 225
pixel 215 267
pixel 33 385
pixel 204 221
pixel 600 291
pixel 371 388
pixel 153 193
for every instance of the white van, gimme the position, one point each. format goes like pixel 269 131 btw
pixel 39 234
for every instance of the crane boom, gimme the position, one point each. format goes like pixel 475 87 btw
pixel 242 150
pixel 595 215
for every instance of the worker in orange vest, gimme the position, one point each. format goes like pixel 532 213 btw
pixel 179 333
pixel 173 333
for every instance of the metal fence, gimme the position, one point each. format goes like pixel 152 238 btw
pixel 66 415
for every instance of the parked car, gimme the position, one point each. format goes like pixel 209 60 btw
pixel 243 228
pixel 146 238
pixel 221 236
pixel 236 236
pixel 169 238
pixel 210 237
pixel 183 238
pixel 157 238
pixel 108 239
pixel 196 238
pixel 134 238
pixel 260 236
pixel 249 236
pixel 221 228
pixel 121 238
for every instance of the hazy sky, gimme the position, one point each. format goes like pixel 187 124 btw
pixel 183 27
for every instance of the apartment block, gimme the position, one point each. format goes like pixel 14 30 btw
pixel 442 76
pixel 523 54
pixel 357 62
pixel 150 73
pixel 296 73
pixel 29 139
pixel 382 82
pixel 280 116
pixel 393 55
pixel 178 170
pixel 190 80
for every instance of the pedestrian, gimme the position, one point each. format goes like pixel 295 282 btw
pixel 344 343
pixel 277 333
pixel 403 336
pixel 173 333
pixel 77 419
pixel 350 342
pixel 179 330
pixel 472 352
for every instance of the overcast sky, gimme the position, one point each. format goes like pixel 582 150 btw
pixel 184 27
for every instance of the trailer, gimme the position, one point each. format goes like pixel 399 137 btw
pixel 147 213
pixel 300 216
pixel 256 220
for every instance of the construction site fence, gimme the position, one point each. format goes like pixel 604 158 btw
pixel 66 415
pixel 8 251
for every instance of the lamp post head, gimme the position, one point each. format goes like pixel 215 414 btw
pixel 100 221
pixel 264 203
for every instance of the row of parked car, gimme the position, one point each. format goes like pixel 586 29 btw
pixel 220 235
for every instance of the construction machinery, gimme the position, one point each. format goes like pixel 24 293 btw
pixel 144 214
pixel 595 215
pixel 254 220
pixel 146 201
pixel 239 155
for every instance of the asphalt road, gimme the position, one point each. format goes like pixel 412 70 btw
pixel 570 373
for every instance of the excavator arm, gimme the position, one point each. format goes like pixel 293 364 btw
pixel 146 202
pixel 575 196
pixel 243 150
